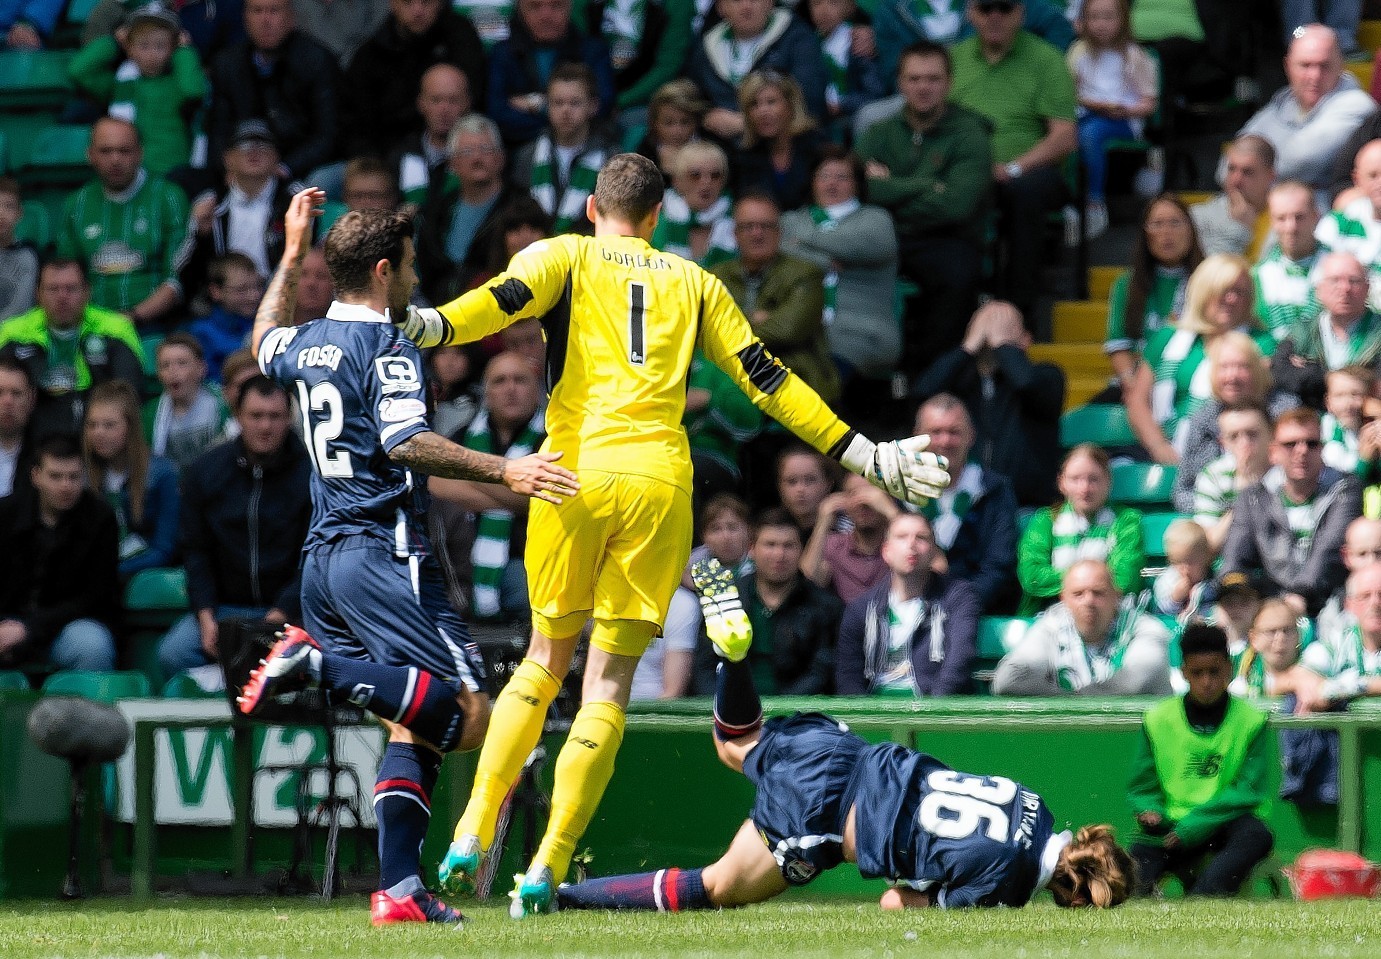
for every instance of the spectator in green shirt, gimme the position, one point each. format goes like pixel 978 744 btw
pixel 1021 84
pixel 1199 781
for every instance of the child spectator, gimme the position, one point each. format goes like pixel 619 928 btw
pixel 1180 590
pixel 18 261
pixel 1082 526
pixel 726 530
pixel 1270 665
pixel 235 288
pixel 673 120
pixel 148 73
pixel 1117 87
pixel 852 80
pixel 697 220
pixel 804 479
pixel 1199 781
pixel 238 369
pixel 1238 604
pixel 141 489
pixel 1345 392
pixel 560 167
pixel 1245 430
pixel 189 417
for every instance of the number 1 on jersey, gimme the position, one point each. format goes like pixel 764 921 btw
pixel 637 324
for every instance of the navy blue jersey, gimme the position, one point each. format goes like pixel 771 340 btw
pixel 358 384
pixel 972 840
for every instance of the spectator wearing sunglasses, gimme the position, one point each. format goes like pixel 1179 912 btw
pixel 1288 528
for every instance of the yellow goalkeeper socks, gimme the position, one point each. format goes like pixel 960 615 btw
pixel 515 726
pixel 582 772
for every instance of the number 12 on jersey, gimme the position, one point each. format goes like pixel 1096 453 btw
pixel 637 323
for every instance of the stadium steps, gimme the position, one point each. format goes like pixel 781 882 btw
pixel 1080 321
pixel 1369 35
pixel 1076 359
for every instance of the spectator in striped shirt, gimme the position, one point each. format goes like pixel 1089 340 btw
pixel 1284 277
pixel 1349 659
pixel 1245 430
pixel 1289 529
pixel 1361 548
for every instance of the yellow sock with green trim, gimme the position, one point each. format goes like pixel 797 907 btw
pixel 515 726
pixel 582 772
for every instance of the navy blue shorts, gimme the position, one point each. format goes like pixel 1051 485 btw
pixel 362 601
pixel 801 767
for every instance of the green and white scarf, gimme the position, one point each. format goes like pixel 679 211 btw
pixel 1341 448
pixel 947 512
pixel 678 219
pixel 1215 489
pixel 1302 517
pixel 1285 290
pixel 1075 537
pixel 943 19
pixel 568 207
pixel 494 527
pixel 623 29
pixel 1076 665
pixel 1345 663
pixel 835 48
pixel 827 218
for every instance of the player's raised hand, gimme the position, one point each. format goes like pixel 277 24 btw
pixel 538 475
pixel 903 468
pixel 304 207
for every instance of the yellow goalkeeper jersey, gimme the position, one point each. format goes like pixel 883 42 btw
pixel 622 321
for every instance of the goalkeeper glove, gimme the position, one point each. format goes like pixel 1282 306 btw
pixel 425 326
pixel 901 468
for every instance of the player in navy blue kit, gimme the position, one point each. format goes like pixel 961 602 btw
pixel 380 632
pixel 825 796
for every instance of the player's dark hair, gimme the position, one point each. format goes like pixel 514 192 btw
pixel 926 48
pixel 629 188
pixel 359 240
pixel 185 340
pixel 1093 870
pixel 260 385
pixel 775 517
pixel 1200 637
pixel 58 446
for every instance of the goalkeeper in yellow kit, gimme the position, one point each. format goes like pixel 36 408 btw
pixel 622 322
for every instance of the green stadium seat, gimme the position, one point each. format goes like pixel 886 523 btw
pixel 999 635
pixel 57 157
pixel 1102 423
pixel 1142 484
pixel 102 687
pixel 34 79
pixel 13 679
pixel 155 598
pixel 330 213
pixel 79 10
pixel 1153 527
pixel 633 137
pixel 183 686
pixel 35 226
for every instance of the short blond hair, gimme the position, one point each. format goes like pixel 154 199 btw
pixel 698 150
pixel 1185 538
pixel 1237 340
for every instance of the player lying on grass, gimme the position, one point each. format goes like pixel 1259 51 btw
pixel 825 796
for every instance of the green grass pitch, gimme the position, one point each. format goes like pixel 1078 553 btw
pixel 790 929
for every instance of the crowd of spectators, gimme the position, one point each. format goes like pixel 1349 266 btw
pixel 815 156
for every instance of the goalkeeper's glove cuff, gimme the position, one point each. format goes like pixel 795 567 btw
pixel 425 326
pixel 858 456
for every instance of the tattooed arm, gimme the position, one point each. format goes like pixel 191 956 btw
pixel 533 475
pixel 276 309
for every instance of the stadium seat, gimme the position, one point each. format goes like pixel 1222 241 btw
pixel 79 10
pixel 1153 527
pixel 12 679
pixel 999 635
pixel 57 157
pixel 102 687
pixel 183 686
pixel 34 79
pixel 35 226
pixel 1102 423
pixel 1142 484
pixel 633 137
pixel 155 598
pixel 330 213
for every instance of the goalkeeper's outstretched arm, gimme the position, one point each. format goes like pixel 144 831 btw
pixel 903 468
